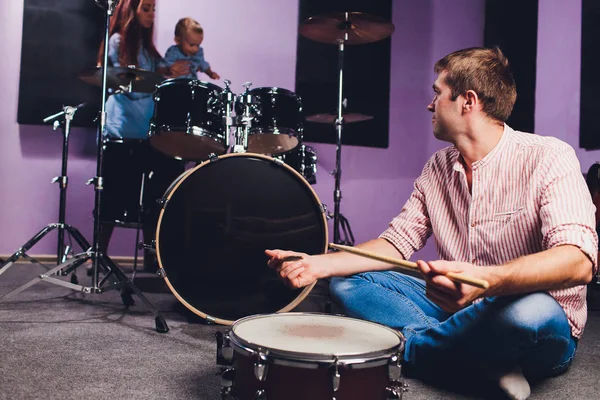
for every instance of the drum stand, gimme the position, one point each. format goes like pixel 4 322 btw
pixel 339 221
pixel 62 252
pixel 98 258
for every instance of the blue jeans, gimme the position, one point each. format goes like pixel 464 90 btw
pixel 530 331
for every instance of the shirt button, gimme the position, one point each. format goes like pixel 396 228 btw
pixel 473 224
pixel 473 261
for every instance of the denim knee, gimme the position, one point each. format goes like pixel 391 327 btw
pixel 534 317
pixel 340 288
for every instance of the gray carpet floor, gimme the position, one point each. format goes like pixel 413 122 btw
pixel 58 344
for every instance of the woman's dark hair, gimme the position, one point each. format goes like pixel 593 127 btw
pixel 133 35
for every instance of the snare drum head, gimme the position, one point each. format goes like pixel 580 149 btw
pixel 315 336
pixel 217 222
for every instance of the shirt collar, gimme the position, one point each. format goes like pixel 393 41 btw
pixel 456 158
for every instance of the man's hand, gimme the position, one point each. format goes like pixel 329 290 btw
pixel 302 271
pixel 451 296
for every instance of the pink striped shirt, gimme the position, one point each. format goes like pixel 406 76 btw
pixel 528 195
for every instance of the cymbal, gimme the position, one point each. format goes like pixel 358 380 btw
pixel 359 27
pixel 330 118
pixel 141 80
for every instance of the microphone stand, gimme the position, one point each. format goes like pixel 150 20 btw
pixel 98 258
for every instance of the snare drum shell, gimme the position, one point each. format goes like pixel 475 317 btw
pixel 292 383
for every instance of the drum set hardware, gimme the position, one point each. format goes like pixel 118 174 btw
pixel 350 28
pixel 62 251
pixel 266 356
pixel 98 258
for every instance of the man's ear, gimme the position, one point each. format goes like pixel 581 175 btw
pixel 471 100
pixel 177 40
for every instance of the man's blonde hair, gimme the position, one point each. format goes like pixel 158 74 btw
pixel 486 72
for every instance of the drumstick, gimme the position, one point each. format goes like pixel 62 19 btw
pixel 409 265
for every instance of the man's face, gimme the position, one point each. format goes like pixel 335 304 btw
pixel 146 12
pixel 190 42
pixel 446 112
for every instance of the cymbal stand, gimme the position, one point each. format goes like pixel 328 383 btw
pixel 98 258
pixel 338 219
pixel 61 252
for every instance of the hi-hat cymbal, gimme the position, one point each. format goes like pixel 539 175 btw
pixel 330 118
pixel 350 27
pixel 141 80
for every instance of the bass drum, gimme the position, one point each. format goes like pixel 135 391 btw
pixel 217 220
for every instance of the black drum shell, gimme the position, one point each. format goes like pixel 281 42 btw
pixel 188 119
pixel 218 219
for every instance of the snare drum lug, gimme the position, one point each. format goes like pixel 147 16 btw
pixel 212 157
pixel 335 377
pixel 210 320
pixel 261 367
pixel 395 369
pixel 261 394
pixel 161 272
pixel 278 161
pixel 224 350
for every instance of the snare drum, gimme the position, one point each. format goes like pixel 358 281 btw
pixel 217 220
pixel 277 122
pixel 298 356
pixel 188 120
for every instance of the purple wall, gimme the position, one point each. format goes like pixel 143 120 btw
pixel 242 43
pixel 558 88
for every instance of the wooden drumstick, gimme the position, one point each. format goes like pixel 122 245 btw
pixel 409 265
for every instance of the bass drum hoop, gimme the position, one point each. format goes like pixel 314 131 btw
pixel 173 189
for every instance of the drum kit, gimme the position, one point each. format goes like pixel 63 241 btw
pixel 249 191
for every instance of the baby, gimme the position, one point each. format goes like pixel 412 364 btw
pixel 188 38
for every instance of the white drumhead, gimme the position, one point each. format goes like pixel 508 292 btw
pixel 316 334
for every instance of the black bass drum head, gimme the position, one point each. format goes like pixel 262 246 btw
pixel 217 221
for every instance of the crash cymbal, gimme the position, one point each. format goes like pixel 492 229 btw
pixel 121 77
pixel 352 27
pixel 330 118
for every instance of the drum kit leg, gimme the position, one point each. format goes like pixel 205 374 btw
pixel 91 253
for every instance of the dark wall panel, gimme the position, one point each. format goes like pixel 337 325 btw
pixel 512 26
pixel 60 39
pixel 589 123
pixel 366 77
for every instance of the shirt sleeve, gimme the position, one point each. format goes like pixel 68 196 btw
pixel 566 208
pixel 408 232
pixel 114 43
pixel 202 64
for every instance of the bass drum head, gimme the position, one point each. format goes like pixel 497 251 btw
pixel 217 221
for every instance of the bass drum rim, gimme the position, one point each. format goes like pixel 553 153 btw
pixel 173 188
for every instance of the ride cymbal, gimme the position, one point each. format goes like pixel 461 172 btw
pixel 349 27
